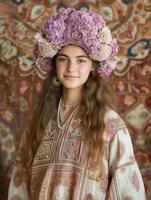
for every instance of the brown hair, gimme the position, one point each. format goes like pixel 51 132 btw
pixel 97 96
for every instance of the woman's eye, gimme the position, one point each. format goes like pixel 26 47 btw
pixel 62 59
pixel 81 61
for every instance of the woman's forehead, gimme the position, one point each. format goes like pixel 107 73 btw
pixel 72 51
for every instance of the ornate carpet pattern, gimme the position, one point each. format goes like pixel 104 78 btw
pixel 21 82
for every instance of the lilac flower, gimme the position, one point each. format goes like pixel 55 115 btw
pixel 114 46
pixel 87 30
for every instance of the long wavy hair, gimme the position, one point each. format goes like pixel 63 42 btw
pixel 96 97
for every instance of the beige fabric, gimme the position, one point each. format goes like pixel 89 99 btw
pixel 59 169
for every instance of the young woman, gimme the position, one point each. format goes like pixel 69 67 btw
pixel 78 147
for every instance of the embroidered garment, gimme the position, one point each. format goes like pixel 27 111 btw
pixel 60 172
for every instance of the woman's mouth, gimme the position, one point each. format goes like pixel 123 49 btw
pixel 70 77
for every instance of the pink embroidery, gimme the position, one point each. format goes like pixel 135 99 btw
pixel 16 197
pixel 135 181
pixel 121 150
pixel 122 170
pixel 113 125
pixel 71 149
pixel 89 197
pixel 104 185
pixel 43 151
pixel 50 131
pixel 128 198
pixel 69 179
pixel 130 162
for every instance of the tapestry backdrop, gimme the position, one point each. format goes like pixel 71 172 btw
pixel 21 81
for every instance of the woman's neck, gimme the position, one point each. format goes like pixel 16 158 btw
pixel 71 97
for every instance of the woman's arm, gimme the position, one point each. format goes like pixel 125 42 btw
pixel 125 178
pixel 18 186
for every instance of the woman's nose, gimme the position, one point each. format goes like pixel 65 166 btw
pixel 71 66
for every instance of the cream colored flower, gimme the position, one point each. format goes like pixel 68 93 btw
pixel 105 35
pixel 46 49
pixel 104 53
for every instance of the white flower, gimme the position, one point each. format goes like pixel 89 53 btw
pixel 46 49
pixel 105 35
pixel 104 53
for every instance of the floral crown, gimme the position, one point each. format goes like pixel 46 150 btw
pixel 86 30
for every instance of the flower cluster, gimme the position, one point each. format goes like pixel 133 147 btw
pixel 87 30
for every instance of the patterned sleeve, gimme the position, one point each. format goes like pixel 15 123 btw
pixel 126 181
pixel 18 187
pixel 18 183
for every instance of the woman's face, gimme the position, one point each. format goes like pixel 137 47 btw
pixel 73 66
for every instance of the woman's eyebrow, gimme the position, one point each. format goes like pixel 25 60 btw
pixel 80 56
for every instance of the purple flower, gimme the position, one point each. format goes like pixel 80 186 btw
pixel 114 46
pixel 98 19
pixel 87 30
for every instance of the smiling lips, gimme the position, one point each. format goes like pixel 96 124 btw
pixel 70 76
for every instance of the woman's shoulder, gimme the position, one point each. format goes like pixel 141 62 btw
pixel 111 114
pixel 113 123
